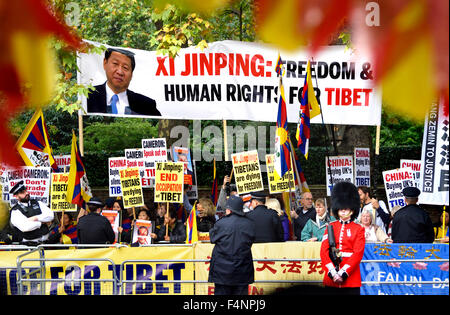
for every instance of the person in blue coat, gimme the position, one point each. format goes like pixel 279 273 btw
pixel 231 268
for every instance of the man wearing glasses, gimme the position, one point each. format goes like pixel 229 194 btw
pixel 303 214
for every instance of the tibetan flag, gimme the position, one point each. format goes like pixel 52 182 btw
pixel 299 176
pixel 279 67
pixel 309 108
pixel 78 191
pixel 214 186
pixel 191 227
pixel 34 145
pixel 282 161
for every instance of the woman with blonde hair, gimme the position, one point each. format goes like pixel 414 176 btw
pixel 275 204
pixel 315 228
pixel 205 215
pixel 373 232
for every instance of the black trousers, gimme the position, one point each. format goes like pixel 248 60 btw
pixel 221 289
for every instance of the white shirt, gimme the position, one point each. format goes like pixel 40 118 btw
pixel 24 224
pixel 121 103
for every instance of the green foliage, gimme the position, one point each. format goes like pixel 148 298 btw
pixel 398 130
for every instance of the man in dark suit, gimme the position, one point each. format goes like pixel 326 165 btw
pixel 268 226
pixel 113 96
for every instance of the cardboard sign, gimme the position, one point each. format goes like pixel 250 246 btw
pixel 362 166
pixel 338 169
pixel 36 179
pixel 155 150
pixel 115 164
pixel 415 166
pixel 247 172
pixel 58 193
pixel 394 182
pixel 130 181
pixel 113 218
pixel 141 232
pixel 277 184
pixel 169 181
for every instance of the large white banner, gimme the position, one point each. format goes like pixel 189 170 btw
pixel 434 174
pixel 237 81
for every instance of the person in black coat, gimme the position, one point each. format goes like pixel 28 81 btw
pixel 177 230
pixel 113 96
pixel 93 228
pixel 267 222
pixel 412 224
pixel 231 268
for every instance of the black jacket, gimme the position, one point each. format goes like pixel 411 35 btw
pixel 177 234
pixel 302 219
pixel 412 224
pixel 231 259
pixel 268 226
pixel 94 229
pixel 139 104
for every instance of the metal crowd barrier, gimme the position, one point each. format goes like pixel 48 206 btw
pixel 36 275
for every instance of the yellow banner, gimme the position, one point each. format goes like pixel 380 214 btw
pixel 58 192
pixel 277 184
pixel 100 264
pixel 268 270
pixel 130 181
pixel 169 180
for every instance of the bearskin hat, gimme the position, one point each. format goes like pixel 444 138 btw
pixel 345 196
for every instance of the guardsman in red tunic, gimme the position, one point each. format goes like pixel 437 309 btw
pixel 342 268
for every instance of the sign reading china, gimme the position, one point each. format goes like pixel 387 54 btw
pixel 130 181
pixel 362 167
pixel 115 164
pixel 415 166
pixel 169 180
pixel 237 81
pixel 394 182
pixel 247 172
pixel 338 169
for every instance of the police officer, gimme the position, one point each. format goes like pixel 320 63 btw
pixel 267 222
pixel 231 268
pixel 93 228
pixel 412 224
pixel 29 217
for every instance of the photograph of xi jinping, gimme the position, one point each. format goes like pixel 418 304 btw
pixel 113 96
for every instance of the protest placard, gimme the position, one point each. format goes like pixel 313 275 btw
pixel 62 162
pixel 155 150
pixel 394 182
pixel 58 193
pixel 277 184
pixel 247 172
pixel 135 158
pixel 415 166
pixel 130 181
pixel 362 166
pixel 169 181
pixel 113 217
pixel 338 169
pixel 115 164
pixel 180 154
pixel 434 176
pixel 141 232
pixel 36 179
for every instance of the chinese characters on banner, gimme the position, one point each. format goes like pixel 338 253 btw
pixel 434 175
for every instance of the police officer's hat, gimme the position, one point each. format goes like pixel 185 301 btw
pixel 411 192
pixel 18 188
pixel 95 201
pixel 258 195
pixel 235 204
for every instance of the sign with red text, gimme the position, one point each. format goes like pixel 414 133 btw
pixel 362 166
pixel 113 218
pixel 36 179
pixel 114 165
pixel 338 169
pixel 154 150
pixel 62 162
pixel 394 182
pixel 247 172
pixel 130 181
pixel 236 80
pixel 415 166
pixel 169 182
pixel 58 193
pixel 277 184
